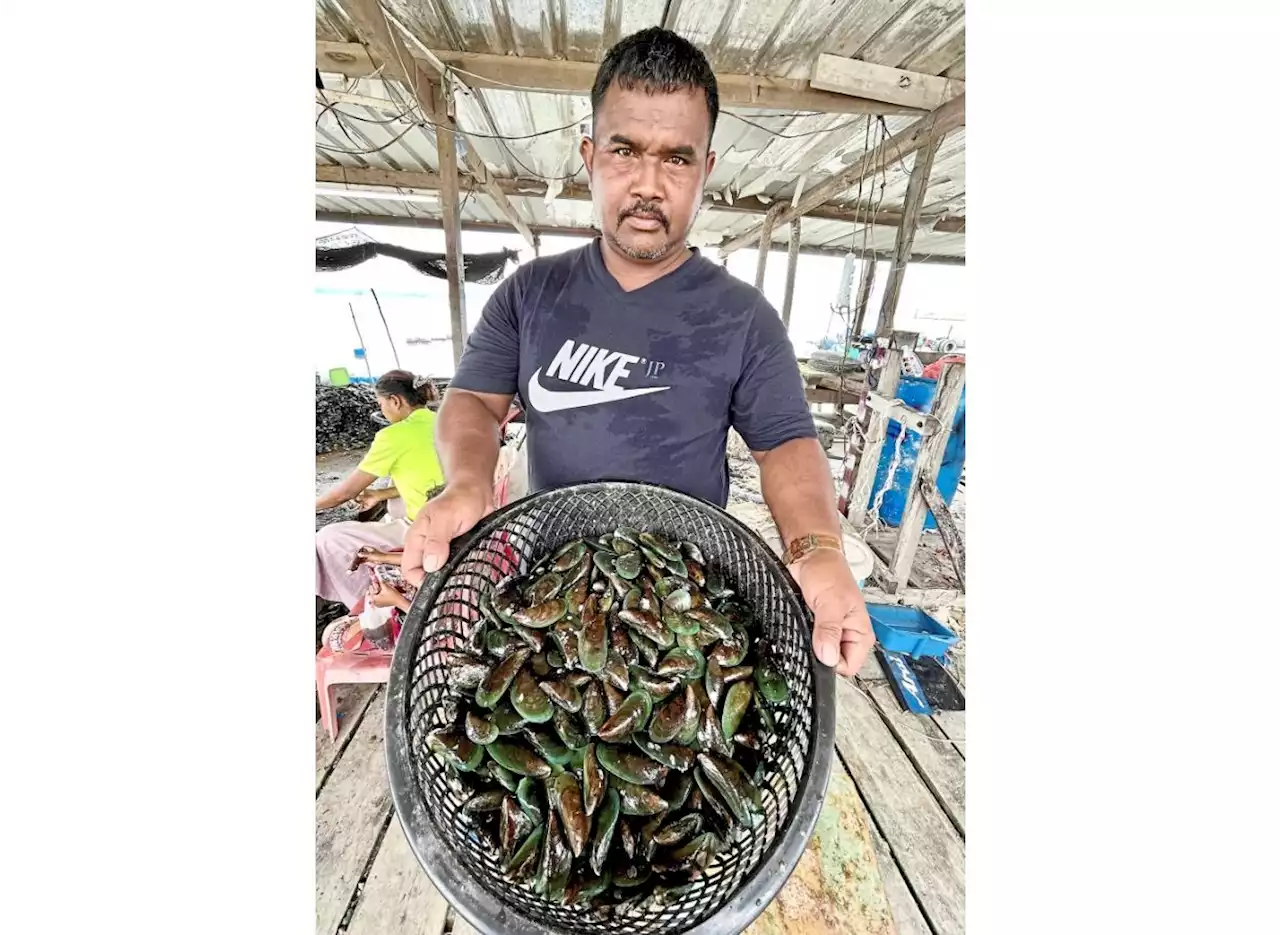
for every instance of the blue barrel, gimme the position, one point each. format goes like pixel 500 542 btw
pixel 918 393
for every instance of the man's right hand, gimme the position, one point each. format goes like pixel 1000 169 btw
pixel 440 521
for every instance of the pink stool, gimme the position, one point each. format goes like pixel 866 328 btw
pixel 350 668
pixel 345 669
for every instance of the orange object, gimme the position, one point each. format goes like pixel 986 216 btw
pixel 934 370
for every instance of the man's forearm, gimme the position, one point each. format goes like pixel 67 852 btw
pixel 796 482
pixel 467 440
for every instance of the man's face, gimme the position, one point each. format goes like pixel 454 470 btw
pixel 647 162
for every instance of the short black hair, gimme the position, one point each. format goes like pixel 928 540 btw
pixel 659 61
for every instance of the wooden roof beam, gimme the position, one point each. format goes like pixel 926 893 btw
pixel 555 76
pixel 535 188
pixel 398 62
pixel 881 83
pixel 430 223
pixel 933 125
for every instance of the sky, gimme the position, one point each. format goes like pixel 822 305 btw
pixel 415 306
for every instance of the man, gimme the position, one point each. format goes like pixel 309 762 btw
pixel 634 355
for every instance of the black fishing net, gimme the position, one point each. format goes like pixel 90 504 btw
pixel 347 249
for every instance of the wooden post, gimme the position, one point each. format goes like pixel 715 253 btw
pixel 865 281
pixel 766 241
pixel 793 255
pixel 951 537
pixel 877 431
pixel 945 404
pixel 447 156
pixel 914 201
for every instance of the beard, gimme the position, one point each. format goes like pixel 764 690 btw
pixel 635 252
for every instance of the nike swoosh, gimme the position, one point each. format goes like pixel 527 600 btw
pixel 545 400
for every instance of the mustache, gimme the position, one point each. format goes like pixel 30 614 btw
pixel 645 209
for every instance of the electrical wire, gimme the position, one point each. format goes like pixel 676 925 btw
pixel 791 136
pixel 365 152
pixel 431 123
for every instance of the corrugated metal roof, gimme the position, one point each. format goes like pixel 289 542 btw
pixel 770 157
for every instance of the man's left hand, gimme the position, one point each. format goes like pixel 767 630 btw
pixel 842 634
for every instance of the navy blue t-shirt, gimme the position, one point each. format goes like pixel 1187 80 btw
pixel 640 385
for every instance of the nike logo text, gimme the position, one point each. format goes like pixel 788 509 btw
pixel 586 366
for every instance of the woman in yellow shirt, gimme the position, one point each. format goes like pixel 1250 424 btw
pixel 405 451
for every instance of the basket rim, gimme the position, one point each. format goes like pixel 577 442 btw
pixel 467 896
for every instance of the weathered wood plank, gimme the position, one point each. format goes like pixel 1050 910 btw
pixel 935 758
pixel 876 433
pixel 866 279
pixel 836 889
pixel 929 850
pixel 945 405
pixel 882 83
pixel 350 812
pixel 762 254
pixel 931 568
pixel 557 76
pixel 793 255
pixel 912 204
pixel 951 723
pixel 447 159
pixel 399 898
pixel 951 536
pixel 907 917
pixel 462 927
pixel 351 703
pixel 872 671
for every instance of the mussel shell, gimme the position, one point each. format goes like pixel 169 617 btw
pixel 529 700
pixel 567 728
pixel 657 543
pixel 548 745
pixel 594 711
pixel 480 729
pixel 672 756
pixel 519 758
pixel 542 615
pixel 687 664
pixel 606 826
pixel 496 683
pixel 736 701
pixel 632 715
pixel 656 687
pixel 669 717
pixel 613 698
pixel 732 651
pixel 544 589
pixel 594 781
pixel 676 830
pixel 615 672
pixel 771 682
pixel 563 694
pixel 631 767
pixel 565 795
pixel 525 859
pixel 593 643
pixel 452 746
pixel 736 789
pixel 638 800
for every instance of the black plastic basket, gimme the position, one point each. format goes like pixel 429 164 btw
pixel 748 873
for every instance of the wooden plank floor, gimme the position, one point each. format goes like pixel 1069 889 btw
pixel 887 855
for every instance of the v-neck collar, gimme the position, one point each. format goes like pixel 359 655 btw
pixel 676 280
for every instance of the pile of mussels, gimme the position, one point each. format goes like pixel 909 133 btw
pixel 607 720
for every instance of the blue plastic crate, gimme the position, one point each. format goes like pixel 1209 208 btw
pixel 910 630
